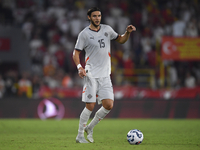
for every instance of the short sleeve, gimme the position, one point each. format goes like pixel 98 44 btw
pixel 80 43
pixel 113 34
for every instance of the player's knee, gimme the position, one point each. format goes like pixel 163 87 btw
pixel 90 106
pixel 108 106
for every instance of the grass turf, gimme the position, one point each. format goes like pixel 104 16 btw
pixel 109 134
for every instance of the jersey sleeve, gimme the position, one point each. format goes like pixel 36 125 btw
pixel 113 34
pixel 80 43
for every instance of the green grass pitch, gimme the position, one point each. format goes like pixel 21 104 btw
pixel 109 134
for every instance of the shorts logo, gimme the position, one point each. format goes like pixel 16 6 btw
pixel 89 96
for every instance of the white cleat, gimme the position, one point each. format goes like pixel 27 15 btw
pixel 89 134
pixel 81 140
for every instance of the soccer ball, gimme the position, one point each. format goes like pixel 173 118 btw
pixel 135 137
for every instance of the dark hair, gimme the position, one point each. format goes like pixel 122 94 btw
pixel 92 10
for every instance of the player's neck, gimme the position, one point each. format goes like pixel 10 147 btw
pixel 95 28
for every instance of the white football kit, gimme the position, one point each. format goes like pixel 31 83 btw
pixel 97 83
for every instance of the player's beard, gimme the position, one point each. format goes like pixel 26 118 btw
pixel 95 25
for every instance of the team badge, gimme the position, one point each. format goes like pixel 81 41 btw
pixel 106 34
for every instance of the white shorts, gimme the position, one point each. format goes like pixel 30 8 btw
pixel 97 89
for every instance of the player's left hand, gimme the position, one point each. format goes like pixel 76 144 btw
pixel 130 28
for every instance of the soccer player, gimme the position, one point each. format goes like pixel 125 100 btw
pixel 95 40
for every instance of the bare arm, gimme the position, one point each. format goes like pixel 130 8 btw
pixel 123 38
pixel 76 58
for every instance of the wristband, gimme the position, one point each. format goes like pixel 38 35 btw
pixel 79 66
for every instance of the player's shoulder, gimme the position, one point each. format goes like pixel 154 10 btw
pixel 105 26
pixel 84 31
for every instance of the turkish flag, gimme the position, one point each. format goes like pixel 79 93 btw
pixel 180 48
pixel 4 44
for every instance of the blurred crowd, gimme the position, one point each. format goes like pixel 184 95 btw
pixel 52 27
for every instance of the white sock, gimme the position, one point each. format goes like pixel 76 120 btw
pixel 84 117
pixel 100 114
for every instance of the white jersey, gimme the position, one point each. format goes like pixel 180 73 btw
pixel 97 50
